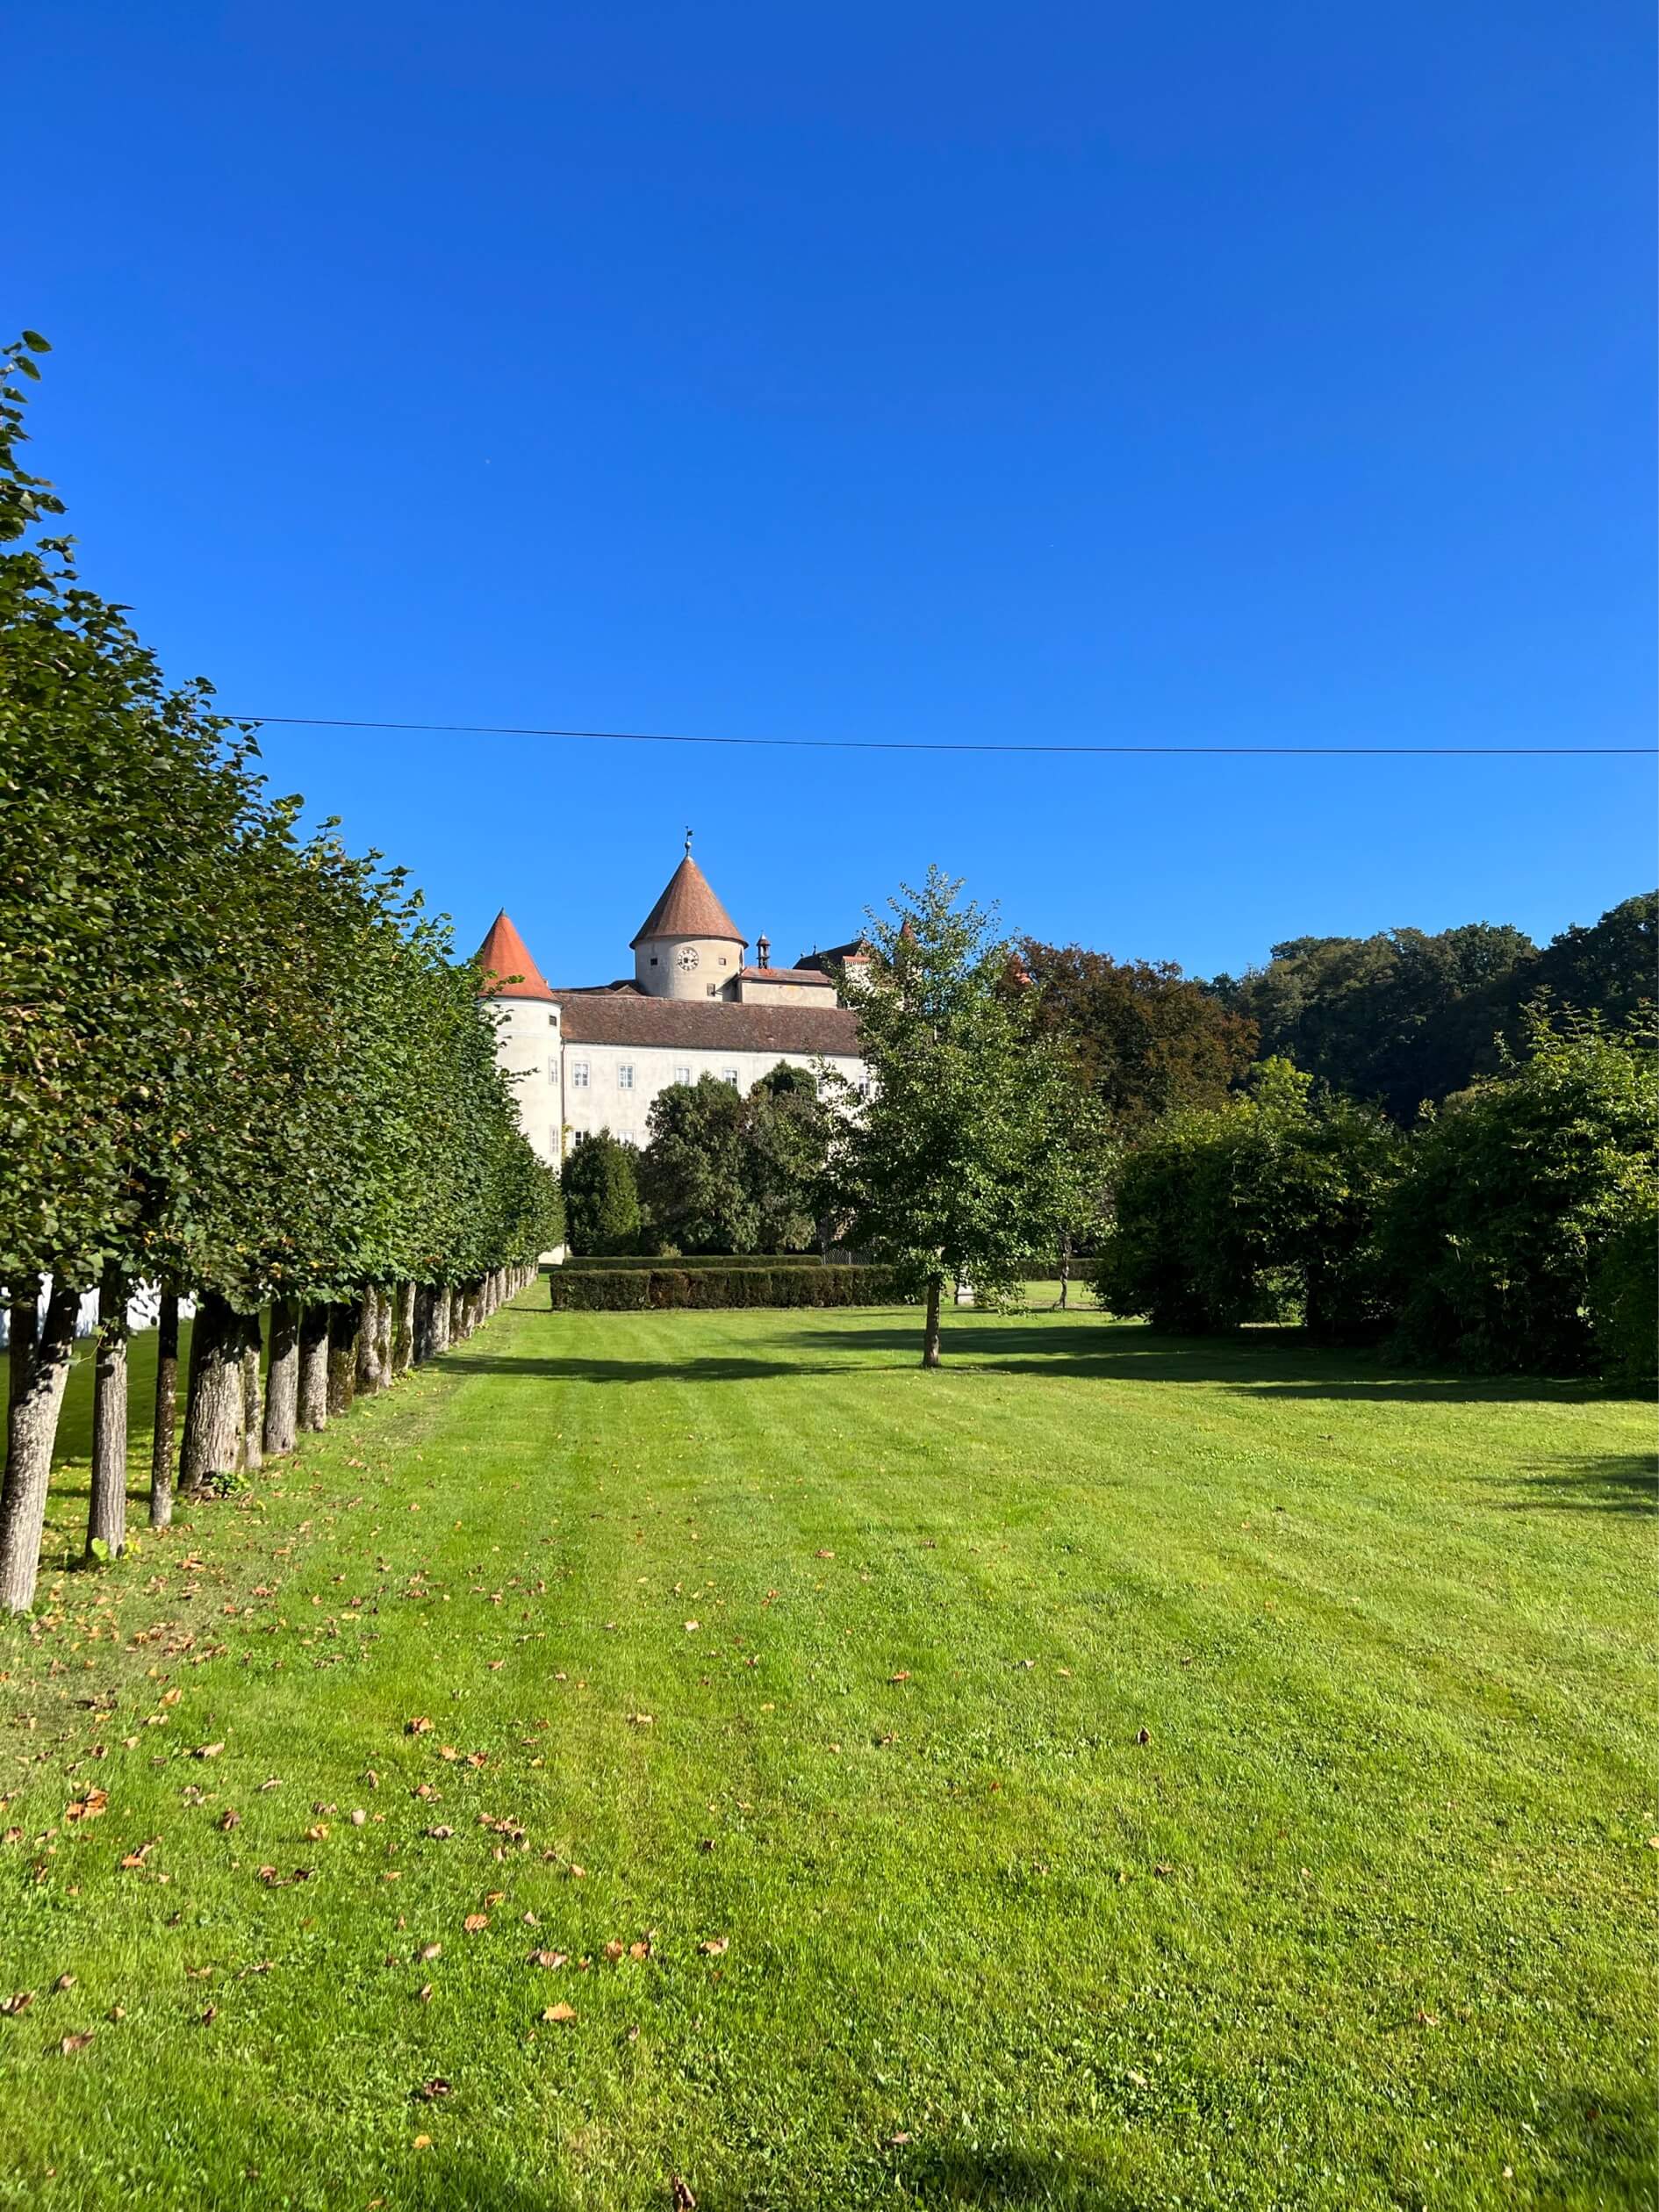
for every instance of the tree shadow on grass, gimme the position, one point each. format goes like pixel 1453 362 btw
pixel 1264 1361
pixel 1613 1482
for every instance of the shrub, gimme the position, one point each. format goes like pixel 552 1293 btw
pixel 602 1290
pixel 601 1194
pixel 1624 1299
pixel 1515 1191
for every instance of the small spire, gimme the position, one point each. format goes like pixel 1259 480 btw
pixel 689 844
pixel 763 945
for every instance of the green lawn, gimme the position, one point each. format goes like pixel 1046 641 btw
pixel 1112 1772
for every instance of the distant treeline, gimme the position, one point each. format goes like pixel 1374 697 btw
pixel 1396 1019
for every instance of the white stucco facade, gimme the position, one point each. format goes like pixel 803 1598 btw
pixel 597 1057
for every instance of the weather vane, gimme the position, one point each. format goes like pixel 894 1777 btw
pixel 688 845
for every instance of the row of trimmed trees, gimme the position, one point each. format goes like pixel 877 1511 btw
pixel 239 1065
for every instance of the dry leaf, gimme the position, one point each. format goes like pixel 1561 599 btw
pixel 903 1674
pixel 715 1947
pixel 439 1834
pixel 548 1957
pixel 475 1921
pixel 72 2043
pixel 317 1832
pixel 89 1807
pixel 64 1981
pixel 681 2196
pixel 420 1725
pixel 1143 1735
pixel 18 2002
pixel 641 1949
pixel 424 1995
pixel 432 1950
pixel 562 2014
pixel 422 2143
pixel 429 2092
pixel 229 1819
pixel 207 1750
pixel 138 1857
pixel 613 1952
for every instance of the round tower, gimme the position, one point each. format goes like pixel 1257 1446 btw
pixel 688 947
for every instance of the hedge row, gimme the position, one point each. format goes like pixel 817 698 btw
pixel 638 1290
pixel 630 1263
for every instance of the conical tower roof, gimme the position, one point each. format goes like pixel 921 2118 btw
pixel 688 908
pixel 505 954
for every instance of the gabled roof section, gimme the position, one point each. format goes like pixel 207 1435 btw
pixel 503 955
pixel 688 908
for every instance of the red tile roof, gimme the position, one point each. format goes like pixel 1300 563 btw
pixel 504 955
pixel 601 1017
pixel 689 908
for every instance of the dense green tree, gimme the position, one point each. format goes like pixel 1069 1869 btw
pixel 1514 1191
pixel 1229 1215
pixel 601 1195
pixel 1144 1039
pixel 696 1182
pixel 951 1168
pixel 786 1150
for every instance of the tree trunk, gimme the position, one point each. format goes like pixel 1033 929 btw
pixel 403 1328
pixel 345 1322
pixel 930 1333
pixel 106 1503
pixel 213 1417
pixel 314 1366
pixel 39 1368
pixel 369 1377
pixel 282 1379
pixel 382 1339
pixel 458 1314
pixel 164 1435
pixel 253 1346
pixel 1065 1268
pixel 442 1307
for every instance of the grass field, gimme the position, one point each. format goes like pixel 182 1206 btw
pixel 1112 1772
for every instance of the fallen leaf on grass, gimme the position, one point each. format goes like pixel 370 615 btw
pixel 70 2044
pixel 641 1949
pixel 229 1819
pixel 431 1950
pixel 210 2015
pixel 560 2014
pixel 89 1807
pixel 903 2135
pixel 317 1832
pixel 550 1958
pixel 424 1995
pixel 476 1922
pixel 1143 1735
pixel 64 1981
pixel 717 1947
pixel 421 2143
pixel 420 1725
pixel 429 2092
pixel 20 2001
pixel 207 1751
pixel 138 1857
pixel 439 1834
pixel 681 2196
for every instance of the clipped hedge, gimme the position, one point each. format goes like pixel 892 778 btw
pixel 612 1264
pixel 664 1289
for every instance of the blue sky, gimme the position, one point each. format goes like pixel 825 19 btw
pixel 1191 375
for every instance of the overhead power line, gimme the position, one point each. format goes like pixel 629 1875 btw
pixel 955 746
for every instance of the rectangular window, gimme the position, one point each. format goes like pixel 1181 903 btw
pixel 682 1074
pixel 713 989
pixel 729 1075
pixel 625 1077
pixel 578 1075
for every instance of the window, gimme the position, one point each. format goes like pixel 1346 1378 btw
pixel 625 1077
pixel 578 1075
pixel 682 1074
pixel 653 960
pixel 552 1070
pixel 552 1021
pixel 722 959
pixel 729 1075
pixel 713 989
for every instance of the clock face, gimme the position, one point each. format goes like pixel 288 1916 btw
pixel 685 958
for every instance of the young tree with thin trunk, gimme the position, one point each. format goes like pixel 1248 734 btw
pixel 949 1169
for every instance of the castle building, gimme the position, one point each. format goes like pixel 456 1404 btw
pixel 594 1056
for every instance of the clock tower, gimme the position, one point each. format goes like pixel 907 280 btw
pixel 688 947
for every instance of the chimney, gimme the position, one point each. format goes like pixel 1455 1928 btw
pixel 763 947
